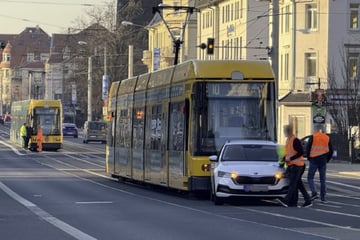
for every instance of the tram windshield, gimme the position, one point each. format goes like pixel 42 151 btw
pixel 48 119
pixel 225 111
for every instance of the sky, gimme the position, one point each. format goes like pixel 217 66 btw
pixel 53 16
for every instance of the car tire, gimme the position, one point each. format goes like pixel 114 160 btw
pixel 217 200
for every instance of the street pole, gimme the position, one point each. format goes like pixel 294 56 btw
pixel 131 61
pixel 30 80
pixel 89 115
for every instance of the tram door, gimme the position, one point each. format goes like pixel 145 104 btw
pixel 155 163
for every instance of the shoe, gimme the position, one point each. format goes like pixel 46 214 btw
pixel 282 202
pixel 313 196
pixel 323 200
pixel 307 204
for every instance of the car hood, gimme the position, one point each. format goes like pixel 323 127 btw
pixel 250 168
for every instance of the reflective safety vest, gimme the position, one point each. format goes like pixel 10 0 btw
pixel 290 151
pixel 320 144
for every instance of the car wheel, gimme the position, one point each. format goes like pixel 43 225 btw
pixel 217 200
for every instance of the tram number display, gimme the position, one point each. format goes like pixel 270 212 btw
pixel 234 89
pixel 45 111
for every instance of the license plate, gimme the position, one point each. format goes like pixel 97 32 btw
pixel 256 188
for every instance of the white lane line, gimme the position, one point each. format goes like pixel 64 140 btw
pixel 74 232
pixel 12 148
pixel 85 161
pixel 301 219
pixel 344 185
pixel 338 213
pixel 95 202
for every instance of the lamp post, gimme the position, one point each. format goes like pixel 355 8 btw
pixel 176 41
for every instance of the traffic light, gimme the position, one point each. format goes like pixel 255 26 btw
pixel 210 46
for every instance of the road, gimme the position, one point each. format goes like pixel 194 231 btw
pixel 66 195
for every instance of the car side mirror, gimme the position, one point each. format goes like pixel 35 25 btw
pixel 213 158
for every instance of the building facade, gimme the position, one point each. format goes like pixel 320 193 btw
pixel 22 73
pixel 164 31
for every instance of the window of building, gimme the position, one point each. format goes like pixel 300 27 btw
pixel 310 60
pixel 287 19
pixel 44 57
pixel 298 123
pixel 223 14
pixel 286 66
pixel 30 57
pixel 311 17
pixel 237 10
pixel 6 57
pixel 353 64
pixel 354 16
pixel 241 8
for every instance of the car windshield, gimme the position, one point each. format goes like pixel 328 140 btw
pixel 250 152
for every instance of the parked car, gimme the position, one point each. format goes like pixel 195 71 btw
pixel 94 131
pixel 69 129
pixel 247 168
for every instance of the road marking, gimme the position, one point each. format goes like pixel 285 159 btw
pixel 95 202
pixel 338 213
pixel 72 231
pixel 12 148
pixel 344 185
pixel 301 219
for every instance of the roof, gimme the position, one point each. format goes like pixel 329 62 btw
pixel 32 40
pixel 298 97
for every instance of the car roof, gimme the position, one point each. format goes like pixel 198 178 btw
pixel 251 141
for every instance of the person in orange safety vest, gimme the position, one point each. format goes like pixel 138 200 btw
pixel 296 167
pixel 39 139
pixel 319 151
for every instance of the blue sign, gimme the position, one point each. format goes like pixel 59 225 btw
pixel 105 87
pixel 156 59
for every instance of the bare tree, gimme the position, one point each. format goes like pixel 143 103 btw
pixel 344 95
pixel 100 29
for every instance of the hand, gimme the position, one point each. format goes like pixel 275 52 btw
pixel 287 159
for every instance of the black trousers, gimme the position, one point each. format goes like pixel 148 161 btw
pixel 296 184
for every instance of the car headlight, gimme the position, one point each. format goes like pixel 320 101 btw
pixel 227 174
pixel 278 175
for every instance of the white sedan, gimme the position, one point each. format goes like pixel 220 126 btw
pixel 247 168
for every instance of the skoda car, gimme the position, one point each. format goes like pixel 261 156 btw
pixel 247 168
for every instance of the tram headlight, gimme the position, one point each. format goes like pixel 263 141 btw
pixel 206 167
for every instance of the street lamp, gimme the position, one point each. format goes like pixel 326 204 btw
pixel 176 41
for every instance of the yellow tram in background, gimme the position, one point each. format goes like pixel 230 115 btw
pixel 163 125
pixel 46 114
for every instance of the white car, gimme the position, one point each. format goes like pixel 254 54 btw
pixel 247 168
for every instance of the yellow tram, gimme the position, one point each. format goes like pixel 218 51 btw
pixel 46 114
pixel 163 125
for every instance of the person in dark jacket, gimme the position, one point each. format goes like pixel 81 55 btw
pixel 28 135
pixel 319 151
pixel 296 167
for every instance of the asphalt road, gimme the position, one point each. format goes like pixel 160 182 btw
pixel 66 195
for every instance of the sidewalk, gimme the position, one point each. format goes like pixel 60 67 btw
pixel 344 168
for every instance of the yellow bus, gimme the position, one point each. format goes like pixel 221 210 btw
pixel 46 114
pixel 164 125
